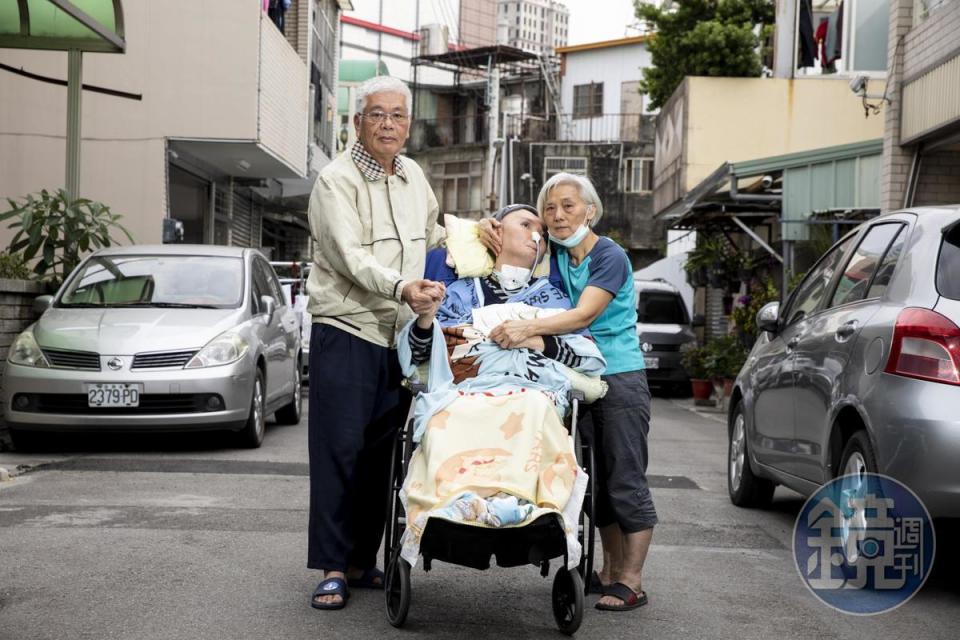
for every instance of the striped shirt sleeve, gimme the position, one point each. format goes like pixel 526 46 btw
pixel 556 349
pixel 421 340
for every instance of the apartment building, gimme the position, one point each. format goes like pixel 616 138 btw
pixel 921 142
pixel 537 26
pixel 236 114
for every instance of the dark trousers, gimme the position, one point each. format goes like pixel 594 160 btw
pixel 356 407
pixel 616 427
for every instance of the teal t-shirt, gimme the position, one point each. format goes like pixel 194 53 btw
pixel 615 330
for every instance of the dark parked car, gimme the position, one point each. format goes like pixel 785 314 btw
pixel 663 325
pixel 859 370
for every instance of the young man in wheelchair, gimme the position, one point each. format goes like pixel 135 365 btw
pixel 493 449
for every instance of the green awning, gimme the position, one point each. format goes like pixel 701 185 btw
pixel 360 70
pixel 62 25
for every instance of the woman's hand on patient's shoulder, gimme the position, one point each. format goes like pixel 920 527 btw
pixel 491 233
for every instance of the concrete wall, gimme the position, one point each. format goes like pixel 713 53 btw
pixel 197 65
pixel 283 83
pixel 737 119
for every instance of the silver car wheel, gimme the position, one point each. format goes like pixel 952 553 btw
pixel 258 416
pixel 737 452
pixel 853 523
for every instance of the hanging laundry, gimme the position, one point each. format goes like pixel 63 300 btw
pixel 277 12
pixel 807 52
pixel 834 41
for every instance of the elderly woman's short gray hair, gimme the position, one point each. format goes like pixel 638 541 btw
pixel 382 84
pixel 586 189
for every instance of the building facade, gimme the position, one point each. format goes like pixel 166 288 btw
pixel 921 146
pixel 537 26
pixel 219 138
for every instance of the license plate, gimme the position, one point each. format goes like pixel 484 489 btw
pixel 113 395
pixel 652 363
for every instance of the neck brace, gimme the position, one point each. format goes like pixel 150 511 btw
pixel 512 278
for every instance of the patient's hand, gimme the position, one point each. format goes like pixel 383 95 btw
pixel 491 235
pixel 511 334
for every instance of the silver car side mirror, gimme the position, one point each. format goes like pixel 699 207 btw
pixel 768 318
pixel 42 303
pixel 269 305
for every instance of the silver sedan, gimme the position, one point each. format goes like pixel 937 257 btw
pixel 859 370
pixel 159 338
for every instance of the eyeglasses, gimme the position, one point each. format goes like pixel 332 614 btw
pixel 379 117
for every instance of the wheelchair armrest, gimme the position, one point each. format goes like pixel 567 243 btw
pixel 575 394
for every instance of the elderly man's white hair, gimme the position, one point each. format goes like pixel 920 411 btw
pixel 381 84
pixel 586 189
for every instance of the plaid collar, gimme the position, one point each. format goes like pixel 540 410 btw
pixel 369 166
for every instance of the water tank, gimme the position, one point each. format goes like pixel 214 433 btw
pixel 434 39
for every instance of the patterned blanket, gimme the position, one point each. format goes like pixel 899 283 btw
pixel 488 445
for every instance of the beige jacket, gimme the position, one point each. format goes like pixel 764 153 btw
pixel 370 238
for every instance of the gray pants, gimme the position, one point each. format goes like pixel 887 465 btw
pixel 616 428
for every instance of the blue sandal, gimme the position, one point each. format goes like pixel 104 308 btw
pixel 368 579
pixel 331 587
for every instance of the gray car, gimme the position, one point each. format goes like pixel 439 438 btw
pixel 159 338
pixel 859 371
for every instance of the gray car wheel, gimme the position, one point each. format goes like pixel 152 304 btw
pixel 251 435
pixel 746 489
pixel 290 414
pixel 857 461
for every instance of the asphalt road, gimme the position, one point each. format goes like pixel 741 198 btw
pixel 181 537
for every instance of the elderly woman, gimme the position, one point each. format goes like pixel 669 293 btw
pixel 598 276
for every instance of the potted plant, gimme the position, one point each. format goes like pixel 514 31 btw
pixel 744 314
pixel 694 360
pixel 725 357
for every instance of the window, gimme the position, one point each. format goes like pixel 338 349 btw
pixel 948 265
pixel 555 165
pixel 660 307
pixel 855 280
pixel 460 185
pixel 889 263
pixel 809 294
pixel 638 175
pixel 588 100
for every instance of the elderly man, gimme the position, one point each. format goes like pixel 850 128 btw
pixel 372 216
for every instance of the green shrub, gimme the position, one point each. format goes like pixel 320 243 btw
pixel 12 266
pixel 56 231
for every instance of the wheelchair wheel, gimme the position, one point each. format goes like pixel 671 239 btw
pixel 568 600
pixel 397 590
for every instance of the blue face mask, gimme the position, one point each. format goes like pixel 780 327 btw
pixel 573 239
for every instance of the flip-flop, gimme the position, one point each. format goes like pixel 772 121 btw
pixel 368 579
pixel 331 587
pixel 631 599
pixel 596 585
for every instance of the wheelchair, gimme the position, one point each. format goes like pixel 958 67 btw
pixel 536 543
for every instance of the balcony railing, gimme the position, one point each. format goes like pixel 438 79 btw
pixel 458 130
pixel 607 127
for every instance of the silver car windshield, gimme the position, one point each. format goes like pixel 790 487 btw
pixel 156 281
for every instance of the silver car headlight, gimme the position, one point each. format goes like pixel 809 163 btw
pixel 224 349
pixel 26 352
